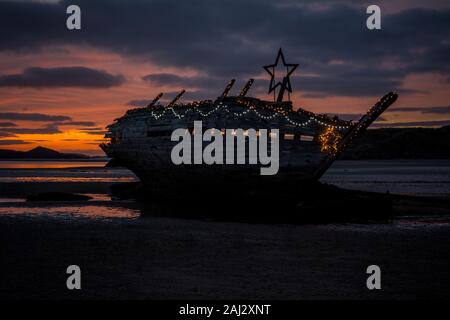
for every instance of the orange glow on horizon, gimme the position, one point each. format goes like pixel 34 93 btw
pixel 68 141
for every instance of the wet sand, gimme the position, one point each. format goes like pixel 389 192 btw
pixel 171 258
pixel 125 256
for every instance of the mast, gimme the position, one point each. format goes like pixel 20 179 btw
pixel 228 88
pixel 172 103
pixel 246 88
pixel 151 104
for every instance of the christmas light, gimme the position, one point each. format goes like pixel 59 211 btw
pixel 329 141
pixel 250 107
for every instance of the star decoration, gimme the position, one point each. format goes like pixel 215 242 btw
pixel 290 68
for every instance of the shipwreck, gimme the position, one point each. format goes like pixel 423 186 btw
pixel 308 144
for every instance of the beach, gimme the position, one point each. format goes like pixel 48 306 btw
pixel 130 250
pixel 161 258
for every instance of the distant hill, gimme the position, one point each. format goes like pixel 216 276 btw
pixel 401 143
pixel 39 153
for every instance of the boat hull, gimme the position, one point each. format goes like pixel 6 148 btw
pixel 150 160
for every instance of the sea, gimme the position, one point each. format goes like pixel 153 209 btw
pixel 428 178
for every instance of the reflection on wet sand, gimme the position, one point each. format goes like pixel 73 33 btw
pixel 68 210
pixel 59 164
pixel 66 179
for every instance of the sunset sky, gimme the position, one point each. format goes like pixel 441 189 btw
pixel 60 88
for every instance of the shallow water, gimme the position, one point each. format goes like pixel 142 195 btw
pixel 412 177
pixel 49 164
pixel 75 175
pixel 415 177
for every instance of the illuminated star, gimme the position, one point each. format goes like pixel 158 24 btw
pixel 290 68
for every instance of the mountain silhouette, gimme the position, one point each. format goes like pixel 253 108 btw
pixel 39 153
pixel 401 143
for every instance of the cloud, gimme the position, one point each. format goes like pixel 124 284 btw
pixel 48 129
pixel 351 116
pixel 430 110
pixel 326 86
pixel 187 82
pixel 7 124
pixel 54 122
pixel 91 129
pixel 437 123
pixel 32 117
pixel 12 142
pixel 77 123
pixel 6 134
pixel 138 103
pixel 235 38
pixel 94 132
pixel 62 77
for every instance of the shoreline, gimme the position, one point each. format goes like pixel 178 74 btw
pixel 299 213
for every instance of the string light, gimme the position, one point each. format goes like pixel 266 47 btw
pixel 276 111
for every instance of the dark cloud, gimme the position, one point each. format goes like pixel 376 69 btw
pixel 186 82
pixel 6 134
pixel 32 117
pixel 48 129
pixel 351 116
pixel 78 123
pixel 432 110
pixel 62 77
pixel 347 84
pixel 7 124
pixel 235 38
pixel 325 86
pixel 12 142
pixel 95 132
pixel 166 78
pixel 138 103
pixel 91 128
pixel 437 110
pixel 54 122
pixel 439 123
